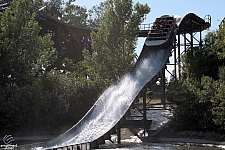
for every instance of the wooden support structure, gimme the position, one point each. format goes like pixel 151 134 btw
pixel 137 124
pixel 118 135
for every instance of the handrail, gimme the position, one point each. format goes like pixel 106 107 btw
pixel 5 1
pixel 161 35
pixel 4 4
pixel 207 19
pixel 145 26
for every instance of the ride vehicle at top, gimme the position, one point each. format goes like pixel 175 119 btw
pixel 162 32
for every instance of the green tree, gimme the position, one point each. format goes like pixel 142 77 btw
pixel 94 16
pixel 114 43
pixel 74 14
pixel 200 92
pixel 201 61
pixel 218 101
pixel 54 8
pixel 24 56
pixel 220 41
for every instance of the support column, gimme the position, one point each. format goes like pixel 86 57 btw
pixel 200 44
pixel 191 32
pixel 144 94
pixel 175 59
pixel 144 102
pixel 56 38
pixel 163 100
pixel 179 59
pixel 118 132
pixel 85 39
pixel 185 43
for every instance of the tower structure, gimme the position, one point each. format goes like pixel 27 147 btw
pixel 189 35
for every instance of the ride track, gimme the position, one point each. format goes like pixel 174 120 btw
pixel 107 113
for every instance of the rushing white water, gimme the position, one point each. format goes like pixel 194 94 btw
pixel 115 101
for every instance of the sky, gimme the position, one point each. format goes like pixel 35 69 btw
pixel 214 8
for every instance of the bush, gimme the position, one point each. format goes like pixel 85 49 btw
pixel 53 103
pixel 190 113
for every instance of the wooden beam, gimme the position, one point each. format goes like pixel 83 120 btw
pixel 136 123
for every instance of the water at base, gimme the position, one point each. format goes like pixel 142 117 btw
pixel 155 146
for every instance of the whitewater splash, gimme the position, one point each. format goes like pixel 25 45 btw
pixel 115 101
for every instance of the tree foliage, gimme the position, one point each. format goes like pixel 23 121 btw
pixel 220 41
pixel 203 59
pixel 74 14
pixel 54 8
pixel 35 95
pixel 199 94
pixel 114 43
pixel 24 53
pixel 24 56
pixel 94 16
pixel 218 100
pixel 191 113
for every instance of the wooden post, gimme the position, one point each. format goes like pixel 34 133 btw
pixel 179 58
pixel 144 102
pixel 118 132
pixel 163 100
pixel 144 94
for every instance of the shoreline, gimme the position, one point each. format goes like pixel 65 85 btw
pixel 184 141
pixel 160 136
pixel 166 135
